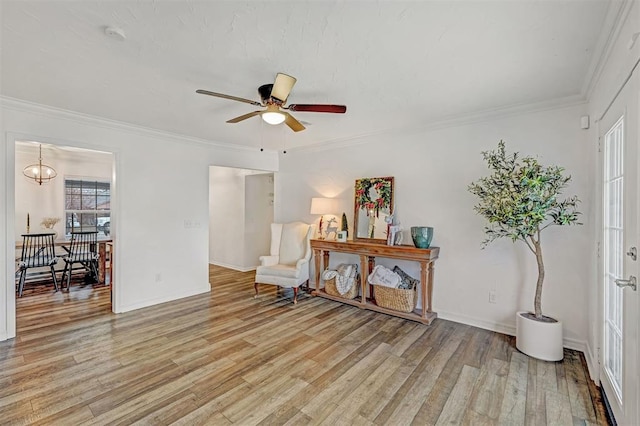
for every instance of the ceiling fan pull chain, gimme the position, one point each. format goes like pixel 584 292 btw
pixel 284 141
pixel 261 136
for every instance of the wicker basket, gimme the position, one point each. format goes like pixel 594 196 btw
pixel 330 288
pixel 395 298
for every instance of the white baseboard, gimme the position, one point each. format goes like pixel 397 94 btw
pixel 592 364
pixel 509 329
pixel 3 336
pixel 150 302
pixel 480 323
pixel 234 267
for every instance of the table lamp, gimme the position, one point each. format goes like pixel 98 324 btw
pixel 322 206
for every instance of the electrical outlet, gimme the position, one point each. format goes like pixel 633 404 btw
pixel 492 296
pixel 188 224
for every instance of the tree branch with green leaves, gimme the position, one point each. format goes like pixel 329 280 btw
pixel 520 199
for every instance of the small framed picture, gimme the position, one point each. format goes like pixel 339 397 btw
pixel 342 236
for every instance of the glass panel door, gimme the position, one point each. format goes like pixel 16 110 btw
pixel 619 369
pixel 613 254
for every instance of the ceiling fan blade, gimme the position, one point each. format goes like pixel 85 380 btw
pixel 244 117
pixel 233 98
pixel 282 86
pixel 294 124
pixel 336 109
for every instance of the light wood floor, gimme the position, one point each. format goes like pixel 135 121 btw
pixel 225 358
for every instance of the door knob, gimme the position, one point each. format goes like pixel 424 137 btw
pixel 631 282
pixel 633 253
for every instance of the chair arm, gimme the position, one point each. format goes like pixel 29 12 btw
pixel 300 263
pixel 269 260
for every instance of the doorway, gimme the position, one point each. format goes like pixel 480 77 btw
pixel 241 210
pixel 79 198
pixel 620 304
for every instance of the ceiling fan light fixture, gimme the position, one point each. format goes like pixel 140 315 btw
pixel 273 118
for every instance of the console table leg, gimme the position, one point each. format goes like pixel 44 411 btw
pixel 316 260
pixel 423 289
pixel 430 287
pixel 363 277
pixel 371 265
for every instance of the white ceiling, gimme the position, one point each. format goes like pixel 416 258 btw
pixel 393 63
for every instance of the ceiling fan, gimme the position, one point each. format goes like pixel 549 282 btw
pixel 273 98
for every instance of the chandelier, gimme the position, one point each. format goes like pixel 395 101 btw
pixel 41 173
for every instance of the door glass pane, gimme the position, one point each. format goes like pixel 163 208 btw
pixel 613 253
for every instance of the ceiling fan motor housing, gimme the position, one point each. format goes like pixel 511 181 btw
pixel 265 92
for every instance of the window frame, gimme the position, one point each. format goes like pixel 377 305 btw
pixel 79 215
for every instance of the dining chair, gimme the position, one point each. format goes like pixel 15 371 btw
pixel 83 249
pixel 287 264
pixel 38 251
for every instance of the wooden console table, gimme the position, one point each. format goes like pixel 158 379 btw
pixel 368 252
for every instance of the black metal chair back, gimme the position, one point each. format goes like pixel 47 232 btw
pixel 84 250
pixel 37 251
pixel 84 246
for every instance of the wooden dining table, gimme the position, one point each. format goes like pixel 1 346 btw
pixel 102 252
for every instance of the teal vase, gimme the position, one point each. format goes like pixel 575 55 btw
pixel 422 236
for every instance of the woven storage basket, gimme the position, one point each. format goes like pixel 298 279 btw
pixel 395 298
pixel 330 288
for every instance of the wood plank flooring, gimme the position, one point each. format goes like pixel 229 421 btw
pixel 226 358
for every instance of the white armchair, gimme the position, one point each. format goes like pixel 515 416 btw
pixel 288 262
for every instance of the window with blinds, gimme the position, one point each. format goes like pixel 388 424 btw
pixel 87 206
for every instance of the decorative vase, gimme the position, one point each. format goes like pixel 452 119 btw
pixel 422 236
pixel 539 339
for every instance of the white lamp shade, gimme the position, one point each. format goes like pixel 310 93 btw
pixel 273 117
pixel 322 206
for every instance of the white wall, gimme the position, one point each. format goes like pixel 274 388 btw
pixel 226 217
pixel 47 200
pixel 432 169
pixel 259 200
pixel 617 66
pixel 165 175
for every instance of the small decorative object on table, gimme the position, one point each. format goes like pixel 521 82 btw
pixel 422 236
pixel 344 226
pixel 342 236
pixel 331 228
pixel 395 235
pixel 49 223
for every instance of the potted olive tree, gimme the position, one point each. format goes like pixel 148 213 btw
pixel 520 199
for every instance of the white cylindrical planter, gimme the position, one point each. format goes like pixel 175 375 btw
pixel 542 340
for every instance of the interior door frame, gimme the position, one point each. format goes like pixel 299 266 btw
pixel 10 188
pixel 634 97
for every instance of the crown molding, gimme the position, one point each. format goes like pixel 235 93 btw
pixel 362 138
pixel 447 122
pixel 61 152
pixel 105 123
pixel 617 15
